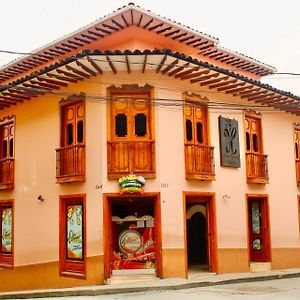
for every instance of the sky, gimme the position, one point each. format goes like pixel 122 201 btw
pixel 267 30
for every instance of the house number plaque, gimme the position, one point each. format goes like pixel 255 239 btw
pixel 229 142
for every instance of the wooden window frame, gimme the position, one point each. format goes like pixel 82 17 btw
pixel 71 267
pixel 296 127
pixel 263 158
pixel 193 169
pixel 78 171
pixel 131 90
pixel 8 163
pixel 7 260
pixel 190 98
pixel 260 138
pixel 69 101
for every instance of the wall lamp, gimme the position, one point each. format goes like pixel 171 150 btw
pixel 226 197
pixel 40 198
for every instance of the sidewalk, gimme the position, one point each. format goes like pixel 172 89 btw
pixel 203 279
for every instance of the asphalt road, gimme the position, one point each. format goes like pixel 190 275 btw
pixel 283 289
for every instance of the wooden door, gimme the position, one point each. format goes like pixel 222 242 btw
pixel 158 246
pixel 211 236
pixel 107 234
pixel 259 240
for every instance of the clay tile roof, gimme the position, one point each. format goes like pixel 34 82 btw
pixel 126 16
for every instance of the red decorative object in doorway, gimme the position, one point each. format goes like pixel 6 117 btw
pixel 134 247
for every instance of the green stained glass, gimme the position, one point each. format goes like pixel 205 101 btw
pixel 255 215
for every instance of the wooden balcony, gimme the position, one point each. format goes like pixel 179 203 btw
pixel 7 167
pixel 298 171
pixel 257 168
pixel 124 157
pixel 70 164
pixel 199 162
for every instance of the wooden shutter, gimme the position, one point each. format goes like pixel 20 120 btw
pixel 73 124
pixel 7 141
pixel 196 127
pixel 131 117
pixel 253 135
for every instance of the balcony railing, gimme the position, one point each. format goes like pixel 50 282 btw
pixel 70 163
pixel 257 168
pixel 125 157
pixel 7 166
pixel 199 162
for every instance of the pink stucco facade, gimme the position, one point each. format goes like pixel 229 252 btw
pixel 37 135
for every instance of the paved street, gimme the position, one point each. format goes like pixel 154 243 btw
pixel 274 289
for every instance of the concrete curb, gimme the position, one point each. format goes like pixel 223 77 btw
pixel 105 290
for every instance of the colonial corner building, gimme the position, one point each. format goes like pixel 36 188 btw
pixel 137 145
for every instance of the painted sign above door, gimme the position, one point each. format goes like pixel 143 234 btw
pixel 131 184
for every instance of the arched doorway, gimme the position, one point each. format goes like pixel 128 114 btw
pixel 200 233
pixel 196 227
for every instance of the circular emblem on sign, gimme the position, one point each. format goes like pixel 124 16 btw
pixel 130 241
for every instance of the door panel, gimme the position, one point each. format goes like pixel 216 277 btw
pixel 259 247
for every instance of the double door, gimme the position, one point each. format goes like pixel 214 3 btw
pixel 132 234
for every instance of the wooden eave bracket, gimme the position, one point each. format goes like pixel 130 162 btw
pixel 85 65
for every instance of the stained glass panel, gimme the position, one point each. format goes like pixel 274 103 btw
pixel 74 232
pixel 257 245
pixel 255 214
pixel 6 230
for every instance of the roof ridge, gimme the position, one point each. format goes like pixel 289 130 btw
pixel 132 6
pixel 256 61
